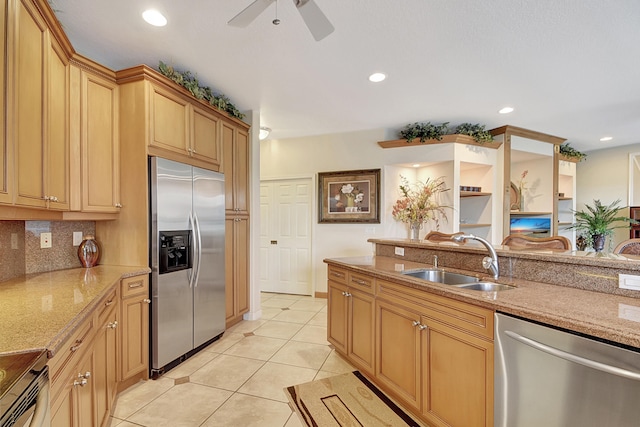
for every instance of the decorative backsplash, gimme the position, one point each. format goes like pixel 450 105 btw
pixel 20 250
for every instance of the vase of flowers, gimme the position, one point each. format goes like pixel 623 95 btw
pixel 420 203
pixel 521 187
pixel 354 197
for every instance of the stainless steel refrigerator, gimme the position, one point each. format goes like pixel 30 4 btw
pixel 187 260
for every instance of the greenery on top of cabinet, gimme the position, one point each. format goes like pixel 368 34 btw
pixel 191 83
pixel 567 150
pixel 425 131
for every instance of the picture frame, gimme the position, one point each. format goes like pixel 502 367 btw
pixel 349 196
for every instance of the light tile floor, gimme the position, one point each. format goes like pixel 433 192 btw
pixel 239 380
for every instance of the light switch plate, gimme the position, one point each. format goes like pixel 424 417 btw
pixel 14 240
pixel 399 251
pixel 77 238
pixel 45 240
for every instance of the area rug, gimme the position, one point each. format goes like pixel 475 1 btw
pixel 347 400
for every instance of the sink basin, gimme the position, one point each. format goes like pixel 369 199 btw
pixel 441 276
pixel 486 286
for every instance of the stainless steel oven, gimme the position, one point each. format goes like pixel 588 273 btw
pixel 24 390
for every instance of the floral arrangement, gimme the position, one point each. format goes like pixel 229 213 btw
pixel 354 196
pixel 522 183
pixel 420 201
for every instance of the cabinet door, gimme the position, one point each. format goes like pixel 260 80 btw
pixel 458 377
pixel 337 306
pixel 236 268
pixel 228 136
pixel 204 144
pixel 241 172
pixel 105 366
pixel 85 397
pixel 100 162
pixel 6 149
pixel 27 115
pixel 62 410
pixel 398 361
pixel 361 330
pixel 169 121
pixel 135 336
pixel 57 159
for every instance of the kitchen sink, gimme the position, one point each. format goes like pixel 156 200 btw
pixel 441 276
pixel 486 286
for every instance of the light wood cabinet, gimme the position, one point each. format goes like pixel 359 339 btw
pixel 99 143
pixel 38 114
pixel 134 331
pixel 205 143
pixel 105 363
pixel 351 321
pixel 236 268
pixel 434 354
pixel 6 149
pixel 235 166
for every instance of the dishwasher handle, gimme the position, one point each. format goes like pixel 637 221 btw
pixel 575 358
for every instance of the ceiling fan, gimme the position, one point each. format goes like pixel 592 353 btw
pixel 316 21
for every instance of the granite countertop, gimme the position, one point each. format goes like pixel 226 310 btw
pixel 611 317
pixel 39 311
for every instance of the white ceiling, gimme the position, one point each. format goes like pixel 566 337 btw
pixel 571 68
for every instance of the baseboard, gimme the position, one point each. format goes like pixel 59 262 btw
pixel 321 295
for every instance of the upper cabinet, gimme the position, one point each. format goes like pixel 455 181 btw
pixel 6 150
pixel 178 126
pixel 235 143
pixel 37 118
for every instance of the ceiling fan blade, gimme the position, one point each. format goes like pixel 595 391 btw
pixel 317 22
pixel 250 13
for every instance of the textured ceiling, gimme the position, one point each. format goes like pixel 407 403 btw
pixel 571 68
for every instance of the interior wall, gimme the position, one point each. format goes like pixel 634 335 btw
pixel 296 157
pixel 604 175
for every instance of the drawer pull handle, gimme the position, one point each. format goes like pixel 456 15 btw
pixel 135 285
pixel 359 282
pixel 108 303
pixel 112 325
pixel 76 346
pixel 147 300
pixel 341 275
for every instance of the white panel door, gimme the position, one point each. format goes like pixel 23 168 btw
pixel 285 236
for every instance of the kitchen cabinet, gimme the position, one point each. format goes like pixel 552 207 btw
pixel 444 373
pixel 96 125
pixel 235 166
pixel 134 331
pixel 236 268
pixel 350 326
pixel 6 149
pixel 38 110
pixel 83 373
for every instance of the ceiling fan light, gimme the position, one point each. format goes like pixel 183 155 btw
pixel 377 77
pixel 154 18
pixel 506 110
pixel 264 132
pixel 606 138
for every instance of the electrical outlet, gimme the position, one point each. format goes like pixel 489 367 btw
pixel 629 312
pixel 77 238
pixel 14 240
pixel 45 240
pixel 629 281
pixel 399 251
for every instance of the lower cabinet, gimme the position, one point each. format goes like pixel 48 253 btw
pixel 85 375
pixel 432 353
pixel 236 268
pixel 350 326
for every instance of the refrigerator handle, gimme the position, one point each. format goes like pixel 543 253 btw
pixel 199 251
pixel 191 273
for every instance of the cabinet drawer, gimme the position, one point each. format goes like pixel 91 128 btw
pixel 362 282
pixel 457 314
pixel 137 285
pixel 107 303
pixel 337 274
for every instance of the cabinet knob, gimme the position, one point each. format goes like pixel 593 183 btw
pixel 112 325
pixel 422 327
pixel 347 294
pixel 81 383
pixel 118 205
pixel 147 300
pixel 415 323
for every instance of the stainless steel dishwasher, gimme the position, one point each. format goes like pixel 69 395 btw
pixel 550 377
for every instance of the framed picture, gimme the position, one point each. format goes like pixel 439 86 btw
pixel 349 196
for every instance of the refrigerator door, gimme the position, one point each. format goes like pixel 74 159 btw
pixel 171 293
pixel 209 286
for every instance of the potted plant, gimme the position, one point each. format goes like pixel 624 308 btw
pixel 596 222
pixel 420 203
pixel 568 151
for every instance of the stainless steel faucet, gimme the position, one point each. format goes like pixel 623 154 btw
pixel 488 263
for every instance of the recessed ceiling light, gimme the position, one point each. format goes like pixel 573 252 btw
pixel 416 165
pixel 154 18
pixel 506 110
pixel 606 138
pixel 377 77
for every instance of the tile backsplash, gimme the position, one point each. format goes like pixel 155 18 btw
pixel 20 246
